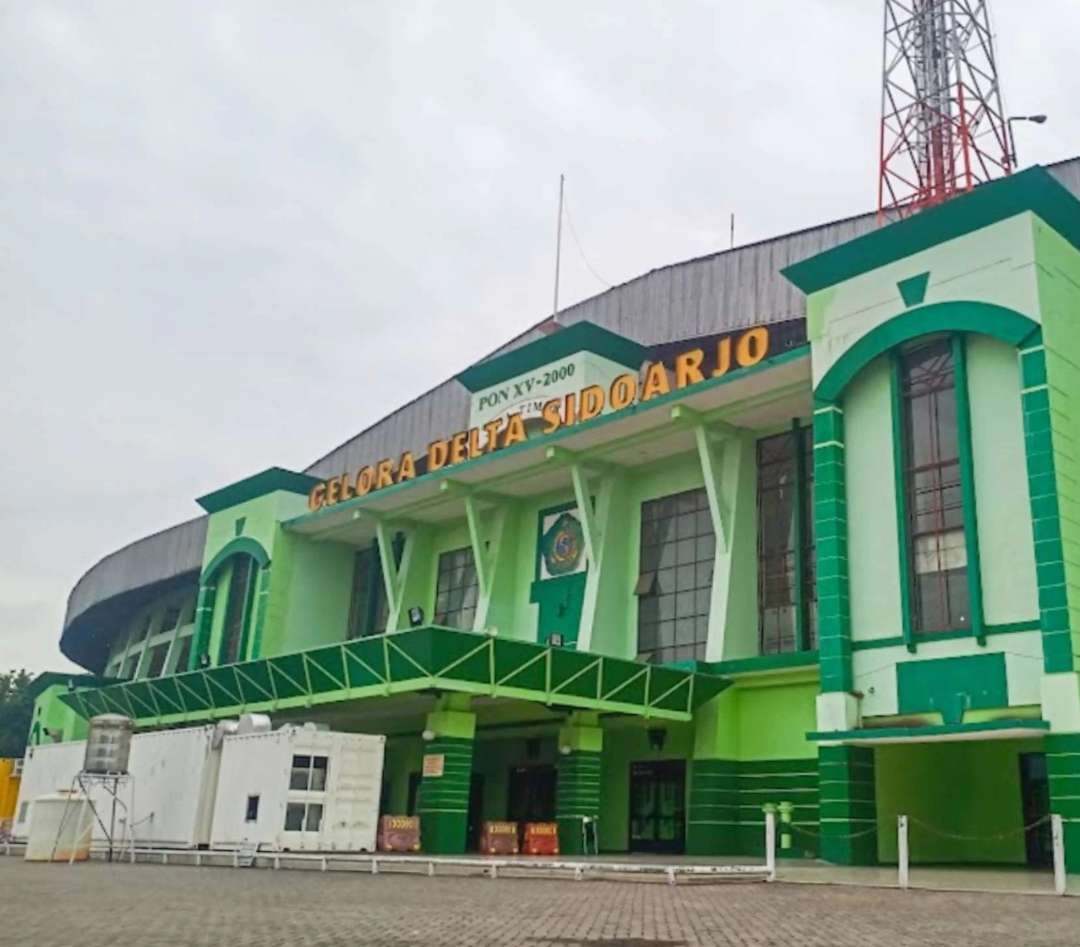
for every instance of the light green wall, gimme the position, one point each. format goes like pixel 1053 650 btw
pixel 1006 545
pixel 995 265
pixel 873 547
pixel 622 747
pixel 319 582
pixel 1059 298
pixel 875 669
pixel 970 789
pixel 404 755
pixel 761 717
pixel 51 714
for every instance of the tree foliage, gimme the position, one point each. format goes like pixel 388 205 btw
pixel 16 711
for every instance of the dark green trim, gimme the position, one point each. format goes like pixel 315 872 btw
pixel 1033 190
pixel 257 485
pixel 565 341
pixel 847 806
pixel 967 486
pixel 964 316
pixel 931 730
pixel 1039 453
pixel 47 679
pixel 900 487
pixel 1011 628
pixel 913 289
pixel 766 662
pixel 241 546
pixel 540 443
pixel 830 538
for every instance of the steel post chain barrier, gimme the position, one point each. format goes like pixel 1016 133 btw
pixel 996 836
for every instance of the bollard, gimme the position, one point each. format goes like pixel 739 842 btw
pixel 1057 834
pixel 785 809
pixel 902 849
pixel 770 841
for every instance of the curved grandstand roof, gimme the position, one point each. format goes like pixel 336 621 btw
pixel 708 295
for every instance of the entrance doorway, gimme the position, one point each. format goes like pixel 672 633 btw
pixel 531 794
pixel 1035 801
pixel 658 806
pixel 474 819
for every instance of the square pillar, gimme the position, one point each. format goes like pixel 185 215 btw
pixel 1063 770
pixel 577 794
pixel 712 824
pixel 443 799
pixel 848 806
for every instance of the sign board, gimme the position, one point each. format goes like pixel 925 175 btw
pixel 434 763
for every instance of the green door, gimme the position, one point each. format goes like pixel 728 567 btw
pixel 559 588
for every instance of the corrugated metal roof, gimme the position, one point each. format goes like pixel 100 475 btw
pixel 731 289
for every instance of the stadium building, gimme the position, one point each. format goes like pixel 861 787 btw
pixel 796 524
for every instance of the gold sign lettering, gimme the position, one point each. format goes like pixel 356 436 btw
pixel 747 348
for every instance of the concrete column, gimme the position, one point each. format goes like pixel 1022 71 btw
pixel 848 806
pixel 577 797
pixel 1063 769
pixel 443 802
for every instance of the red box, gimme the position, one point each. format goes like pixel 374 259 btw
pixel 398 833
pixel 499 838
pixel 541 838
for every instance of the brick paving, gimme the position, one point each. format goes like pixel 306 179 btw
pixel 154 906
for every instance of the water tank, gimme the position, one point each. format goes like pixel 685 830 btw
pixel 108 744
pixel 61 827
pixel 253 723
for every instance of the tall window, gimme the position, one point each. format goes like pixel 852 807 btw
pixel 456 590
pixel 787 599
pixel 237 608
pixel 367 610
pixel 678 548
pixel 935 510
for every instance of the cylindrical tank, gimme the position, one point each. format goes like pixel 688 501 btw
pixel 108 744
pixel 61 827
pixel 253 723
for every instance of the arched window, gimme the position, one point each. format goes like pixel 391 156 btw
pixel 243 570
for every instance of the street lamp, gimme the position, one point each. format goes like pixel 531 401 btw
pixel 1037 119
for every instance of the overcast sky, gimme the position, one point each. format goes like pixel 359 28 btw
pixel 232 235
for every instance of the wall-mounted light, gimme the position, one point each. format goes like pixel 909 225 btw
pixel 427 736
pixel 657 736
pixel 555 639
pixel 416 616
pixel 564 750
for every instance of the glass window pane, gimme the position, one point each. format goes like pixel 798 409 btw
pixel 314 817
pixel 298 777
pixel 294 817
pixel 676 554
pixel 319 767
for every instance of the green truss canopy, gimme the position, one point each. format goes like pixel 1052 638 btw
pixel 413 660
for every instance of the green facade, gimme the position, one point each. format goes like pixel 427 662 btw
pixel 556 682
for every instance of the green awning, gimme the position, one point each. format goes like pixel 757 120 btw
pixel 419 659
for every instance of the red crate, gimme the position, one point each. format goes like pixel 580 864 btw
pixel 541 838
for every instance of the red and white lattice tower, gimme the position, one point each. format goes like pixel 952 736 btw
pixel 943 130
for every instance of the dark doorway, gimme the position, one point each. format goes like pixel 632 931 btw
pixel 414 792
pixel 530 794
pixel 658 806
pixel 476 812
pixel 1035 803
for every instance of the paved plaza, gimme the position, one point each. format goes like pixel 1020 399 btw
pixel 154 906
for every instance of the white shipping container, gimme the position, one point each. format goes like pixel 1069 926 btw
pixel 299 789
pixel 47 769
pixel 167 801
